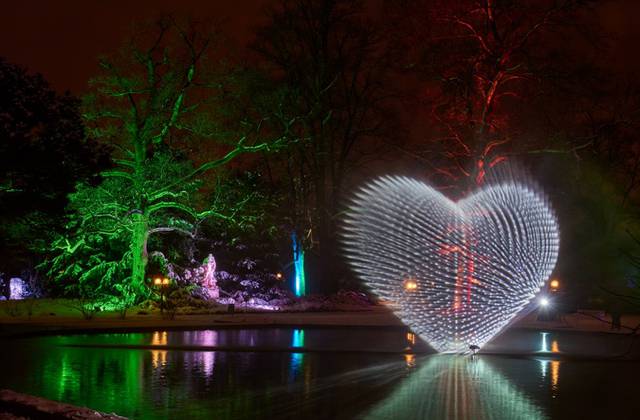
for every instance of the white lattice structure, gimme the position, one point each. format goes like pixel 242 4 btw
pixel 455 272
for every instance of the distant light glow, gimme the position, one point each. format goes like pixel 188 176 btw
pixel 410 285
pixel 544 302
pixel 456 272
pixel 554 284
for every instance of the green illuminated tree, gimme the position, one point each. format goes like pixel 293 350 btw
pixel 161 103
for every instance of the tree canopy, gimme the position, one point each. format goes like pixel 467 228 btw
pixel 161 107
pixel 44 152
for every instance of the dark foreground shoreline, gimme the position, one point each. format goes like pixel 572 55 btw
pixel 14 405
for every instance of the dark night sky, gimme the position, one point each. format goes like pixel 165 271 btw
pixel 62 38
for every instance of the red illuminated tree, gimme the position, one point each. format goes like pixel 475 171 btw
pixel 482 65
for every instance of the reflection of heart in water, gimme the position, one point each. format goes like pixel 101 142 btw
pixel 457 388
pixel 455 272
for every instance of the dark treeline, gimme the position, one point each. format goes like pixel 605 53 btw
pixel 184 147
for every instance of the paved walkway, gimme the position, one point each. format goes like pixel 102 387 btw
pixel 593 321
pixel 375 316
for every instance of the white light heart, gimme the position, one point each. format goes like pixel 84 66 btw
pixel 455 272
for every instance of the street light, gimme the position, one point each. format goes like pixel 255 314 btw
pixel 554 285
pixel 162 283
pixel 544 302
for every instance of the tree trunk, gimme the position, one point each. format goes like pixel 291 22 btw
pixel 139 256
pixel 326 281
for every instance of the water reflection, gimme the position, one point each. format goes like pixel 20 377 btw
pixel 297 359
pixel 204 360
pixel 555 374
pixel 380 382
pixel 554 365
pixel 447 387
pixel 544 346
pixel 410 360
pixel 298 338
pixel 158 357
pixel 65 376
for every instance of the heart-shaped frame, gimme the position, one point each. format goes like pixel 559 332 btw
pixel 455 272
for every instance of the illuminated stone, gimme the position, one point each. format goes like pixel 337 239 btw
pixel 17 289
pixel 209 281
pixel 472 264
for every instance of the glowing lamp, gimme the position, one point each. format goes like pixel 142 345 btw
pixel 544 302
pixel 554 284
pixel 157 281
pixel 165 281
pixel 410 285
pixel 279 276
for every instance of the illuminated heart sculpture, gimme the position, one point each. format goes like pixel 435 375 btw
pixel 455 272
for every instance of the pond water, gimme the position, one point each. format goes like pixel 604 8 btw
pixel 322 373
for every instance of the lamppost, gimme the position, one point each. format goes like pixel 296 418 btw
pixel 549 304
pixel 545 310
pixel 162 283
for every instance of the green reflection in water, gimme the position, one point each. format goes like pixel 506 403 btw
pixel 154 383
pixel 159 383
pixel 456 387
pixel 97 378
